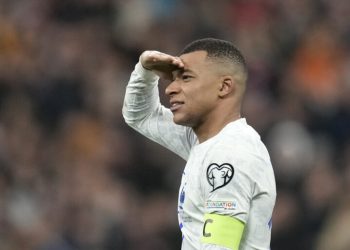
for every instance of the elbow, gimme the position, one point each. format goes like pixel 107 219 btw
pixel 126 116
pixel 130 119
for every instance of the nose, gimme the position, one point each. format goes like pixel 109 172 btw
pixel 173 88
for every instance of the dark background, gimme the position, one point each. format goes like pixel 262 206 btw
pixel 73 176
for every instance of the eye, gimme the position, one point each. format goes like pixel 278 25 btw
pixel 186 77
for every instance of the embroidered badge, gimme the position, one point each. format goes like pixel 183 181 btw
pixel 219 176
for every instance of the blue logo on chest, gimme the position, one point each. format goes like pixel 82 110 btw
pixel 182 197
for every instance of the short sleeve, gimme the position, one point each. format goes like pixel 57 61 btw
pixel 227 183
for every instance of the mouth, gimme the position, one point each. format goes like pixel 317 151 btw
pixel 175 105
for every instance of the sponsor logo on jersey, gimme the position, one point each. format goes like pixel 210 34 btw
pixel 219 176
pixel 227 205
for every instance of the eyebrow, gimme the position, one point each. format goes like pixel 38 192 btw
pixel 177 71
pixel 181 71
pixel 188 71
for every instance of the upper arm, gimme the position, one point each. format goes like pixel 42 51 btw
pixel 228 179
pixel 228 190
pixel 221 232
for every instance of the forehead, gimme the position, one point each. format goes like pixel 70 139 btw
pixel 194 60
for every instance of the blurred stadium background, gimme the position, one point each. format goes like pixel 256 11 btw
pixel 73 176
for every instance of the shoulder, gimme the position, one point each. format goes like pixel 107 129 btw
pixel 236 144
pixel 241 149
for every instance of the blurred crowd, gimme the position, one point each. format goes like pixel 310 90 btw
pixel 73 176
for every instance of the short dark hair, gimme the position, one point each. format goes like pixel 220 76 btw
pixel 217 49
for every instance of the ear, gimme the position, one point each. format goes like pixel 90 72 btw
pixel 227 86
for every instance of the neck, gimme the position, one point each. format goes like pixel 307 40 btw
pixel 212 126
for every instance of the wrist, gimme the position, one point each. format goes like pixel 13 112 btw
pixel 147 74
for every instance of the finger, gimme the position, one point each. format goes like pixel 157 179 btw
pixel 178 62
pixel 166 58
pixel 153 59
pixel 152 55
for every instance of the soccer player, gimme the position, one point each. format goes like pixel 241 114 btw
pixel 228 190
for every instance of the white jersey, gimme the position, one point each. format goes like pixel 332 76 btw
pixel 228 174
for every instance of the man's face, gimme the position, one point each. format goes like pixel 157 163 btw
pixel 194 90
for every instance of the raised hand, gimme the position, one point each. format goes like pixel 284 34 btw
pixel 160 63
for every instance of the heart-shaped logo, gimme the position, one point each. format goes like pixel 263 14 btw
pixel 219 176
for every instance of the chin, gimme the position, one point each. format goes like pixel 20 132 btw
pixel 182 121
pixel 179 120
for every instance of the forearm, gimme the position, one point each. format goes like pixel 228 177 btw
pixel 141 97
pixel 143 111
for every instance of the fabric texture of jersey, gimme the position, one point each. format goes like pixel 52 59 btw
pixel 229 174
